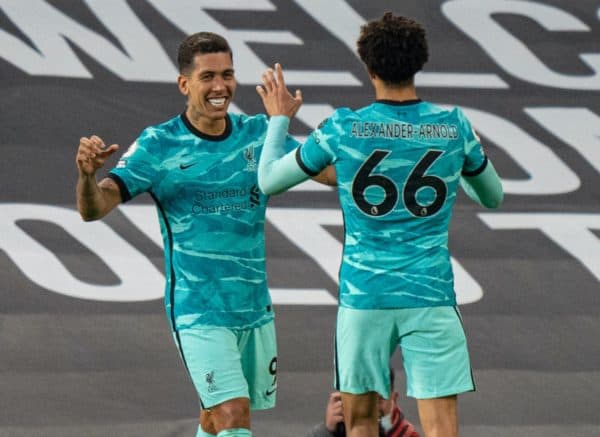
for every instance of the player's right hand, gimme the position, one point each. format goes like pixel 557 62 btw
pixel 92 153
pixel 275 96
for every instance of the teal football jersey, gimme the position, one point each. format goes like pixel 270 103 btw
pixel 211 216
pixel 398 167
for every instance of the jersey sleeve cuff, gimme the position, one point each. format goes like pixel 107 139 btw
pixel 477 171
pixel 303 166
pixel 125 194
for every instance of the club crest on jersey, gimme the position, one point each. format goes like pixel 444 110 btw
pixel 210 380
pixel 250 157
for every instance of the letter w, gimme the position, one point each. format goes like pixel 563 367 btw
pixel 141 57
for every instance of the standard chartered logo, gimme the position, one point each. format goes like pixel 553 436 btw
pixel 225 200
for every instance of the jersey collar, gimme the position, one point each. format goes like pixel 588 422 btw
pixel 399 102
pixel 204 136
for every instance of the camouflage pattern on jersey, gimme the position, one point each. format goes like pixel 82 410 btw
pixel 398 167
pixel 211 216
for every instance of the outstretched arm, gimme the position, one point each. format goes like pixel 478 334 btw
pixel 484 188
pixel 279 171
pixel 94 200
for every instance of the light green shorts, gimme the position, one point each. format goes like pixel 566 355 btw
pixel 228 363
pixel 433 345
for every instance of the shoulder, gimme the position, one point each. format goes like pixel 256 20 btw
pixel 446 111
pixel 168 126
pixel 441 111
pixel 343 114
pixel 338 119
pixel 457 116
pixel 152 135
pixel 446 114
pixel 249 122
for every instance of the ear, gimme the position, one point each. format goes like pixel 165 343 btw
pixel 182 84
pixel 372 75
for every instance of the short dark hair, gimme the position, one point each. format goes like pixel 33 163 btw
pixel 200 43
pixel 393 47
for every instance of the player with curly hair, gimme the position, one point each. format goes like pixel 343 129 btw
pixel 399 163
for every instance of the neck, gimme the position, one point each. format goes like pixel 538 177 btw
pixel 398 93
pixel 206 125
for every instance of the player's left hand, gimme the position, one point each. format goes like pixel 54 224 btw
pixel 275 95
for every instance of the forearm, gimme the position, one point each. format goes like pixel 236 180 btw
pixel 485 188
pixel 94 200
pixel 278 170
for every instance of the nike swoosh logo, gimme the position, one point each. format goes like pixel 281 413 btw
pixel 184 166
pixel 270 392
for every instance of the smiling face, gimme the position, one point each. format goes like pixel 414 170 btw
pixel 209 87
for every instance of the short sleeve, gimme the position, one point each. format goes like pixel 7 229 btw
pixel 139 167
pixel 319 149
pixel 475 159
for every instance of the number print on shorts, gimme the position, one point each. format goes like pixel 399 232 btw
pixel 365 178
pixel 273 372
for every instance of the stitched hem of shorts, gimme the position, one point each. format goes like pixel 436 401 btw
pixel 442 394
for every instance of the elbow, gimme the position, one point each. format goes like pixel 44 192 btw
pixel 265 187
pixel 88 215
pixel 267 184
pixel 87 218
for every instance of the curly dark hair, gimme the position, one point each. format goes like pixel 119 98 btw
pixel 394 48
pixel 201 42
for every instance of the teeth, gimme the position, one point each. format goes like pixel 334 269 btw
pixel 217 102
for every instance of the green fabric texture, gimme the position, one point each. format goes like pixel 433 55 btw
pixel 485 188
pixel 282 169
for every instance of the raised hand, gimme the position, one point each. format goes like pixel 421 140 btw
pixel 275 95
pixel 92 153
